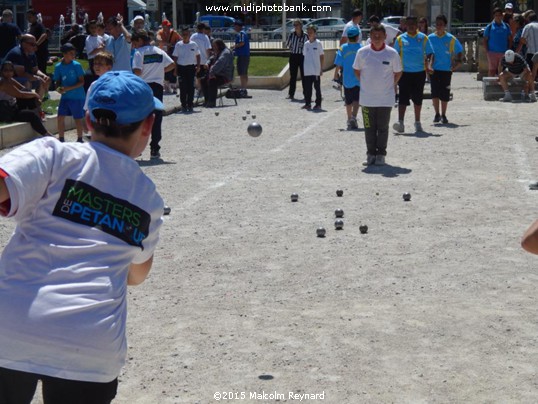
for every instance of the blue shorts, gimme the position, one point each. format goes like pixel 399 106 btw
pixel 74 108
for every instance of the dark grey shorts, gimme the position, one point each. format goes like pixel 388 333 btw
pixel 242 65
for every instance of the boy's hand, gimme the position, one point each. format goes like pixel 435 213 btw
pixel 60 90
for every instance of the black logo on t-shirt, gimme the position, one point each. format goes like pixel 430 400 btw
pixel 83 204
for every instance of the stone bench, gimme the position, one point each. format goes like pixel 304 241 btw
pixel 492 89
pixel 13 134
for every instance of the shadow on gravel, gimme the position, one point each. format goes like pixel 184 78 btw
pixel 450 125
pixel 419 134
pixel 387 170
pixel 154 162
pixel 351 130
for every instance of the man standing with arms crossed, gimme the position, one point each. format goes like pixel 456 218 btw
pixel 445 45
pixel 415 53
pixel 378 68
pixel 295 43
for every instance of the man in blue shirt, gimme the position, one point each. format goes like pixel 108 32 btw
pixel 242 51
pixel 345 57
pixel 9 33
pixel 445 46
pixel 119 44
pixel 497 40
pixel 415 52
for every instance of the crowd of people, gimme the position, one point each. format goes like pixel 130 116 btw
pixel 170 61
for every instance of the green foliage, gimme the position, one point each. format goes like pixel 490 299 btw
pixel 266 65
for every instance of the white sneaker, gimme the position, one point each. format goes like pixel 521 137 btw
pixel 379 160
pixel 370 160
pixel 398 127
pixel 507 97
pixel 418 127
pixel 532 97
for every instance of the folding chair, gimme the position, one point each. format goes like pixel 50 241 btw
pixel 227 86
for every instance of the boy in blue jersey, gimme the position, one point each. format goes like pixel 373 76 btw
pixel 344 62
pixel 497 40
pixel 242 51
pixel 69 79
pixel 445 47
pixel 415 52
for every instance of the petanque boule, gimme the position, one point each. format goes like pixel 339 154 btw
pixel 363 228
pixel 338 224
pixel 320 232
pixel 167 210
pixel 244 118
pixel 254 129
pixel 217 113
pixel 406 196
pixel 339 192
pixel 253 116
pixel 339 213
pixel 248 111
pixel 294 197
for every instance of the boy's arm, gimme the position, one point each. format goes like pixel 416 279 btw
pixel 80 83
pixel 137 272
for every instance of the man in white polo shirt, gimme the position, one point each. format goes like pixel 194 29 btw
pixel 187 57
pixel 204 45
pixel 151 63
pixel 356 18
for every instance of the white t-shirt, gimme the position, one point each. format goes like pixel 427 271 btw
pixel 350 24
pixel 392 33
pixel 530 33
pixel 152 61
pixel 312 52
pixel 203 43
pixel 186 53
pixel 84 212
pixel 92 43
pixel 377 70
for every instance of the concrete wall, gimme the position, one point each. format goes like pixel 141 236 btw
pixel 20 132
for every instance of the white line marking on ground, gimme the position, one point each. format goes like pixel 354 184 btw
pixel 229 178
pixel 525 172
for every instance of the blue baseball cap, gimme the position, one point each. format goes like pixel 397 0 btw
pixel 352 32
pixel 125 94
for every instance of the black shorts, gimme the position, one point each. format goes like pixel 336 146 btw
pixel 17 387
pixel 242 65
pixel 440 82
pixel 352 94
pixel 411 87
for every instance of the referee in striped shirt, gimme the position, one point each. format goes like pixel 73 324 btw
pixel 295 43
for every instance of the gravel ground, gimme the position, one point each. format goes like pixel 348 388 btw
pixel 435 304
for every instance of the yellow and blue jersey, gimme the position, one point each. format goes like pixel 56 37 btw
pixel 444 47
pixel 345 57
pixel 413 50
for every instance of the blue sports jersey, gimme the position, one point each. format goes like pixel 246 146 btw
pixel 68 75
pixel 245 49
pixel 497 35
pixel 412 50
pixel 345 58
pixel 444 47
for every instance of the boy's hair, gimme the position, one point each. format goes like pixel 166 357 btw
pixel 201 25
pixel 32 12
pixel 313 27
pixel 101 25
pixel 356 13
pixel 90 23
pixel 7 63
pixel 140 34
pixel 374 18
pixel 442 17
pixel 105 125
pixel 114 21
pixel 379 28
pixel 497 10
pixel 532 17
pixel 105 57
pixel 185 28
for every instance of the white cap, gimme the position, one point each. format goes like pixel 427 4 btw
pixel 138 17
pixel 508 5
pixel 509 56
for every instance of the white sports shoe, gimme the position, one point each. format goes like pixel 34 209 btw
pixel 398 127
pixel 532 97
pixel 418 127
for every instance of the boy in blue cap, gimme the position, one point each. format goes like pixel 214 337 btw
pixel 69 79
pixel 345 57
pixel 88 222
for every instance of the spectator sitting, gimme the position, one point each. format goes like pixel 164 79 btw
pixel 220 71
pixel 18 104
pixel 27 71
pixel 513 65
